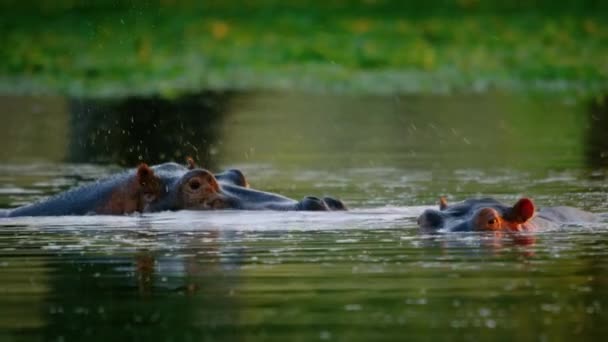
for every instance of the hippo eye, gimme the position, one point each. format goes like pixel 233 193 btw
pixel 194 184
pixel 492 221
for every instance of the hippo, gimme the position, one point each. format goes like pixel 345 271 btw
pixel 198 189
pixel 168 186
pixel 488 214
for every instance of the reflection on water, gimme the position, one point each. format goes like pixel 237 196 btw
pixel 305 131
pixel 146 129
pixel 131 276
pixel 366 274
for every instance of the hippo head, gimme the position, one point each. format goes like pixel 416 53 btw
pixel 478 215
pixel 195 188
pixel 187 188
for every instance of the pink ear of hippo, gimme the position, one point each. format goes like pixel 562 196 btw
pixel 523 210
pixel 143 170
pixel 443 203
pixel 144 174
pixel 190 164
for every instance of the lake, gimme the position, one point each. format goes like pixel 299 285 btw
pixel 366 274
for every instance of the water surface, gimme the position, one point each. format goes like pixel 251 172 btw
pixel 366 274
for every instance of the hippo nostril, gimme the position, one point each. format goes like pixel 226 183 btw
pixel 313 204
pixel 334 204
pixel 430 219
pixel 194 184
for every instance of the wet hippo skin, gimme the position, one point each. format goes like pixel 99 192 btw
pixel 481 214
pixel 124 193
pixel 168 186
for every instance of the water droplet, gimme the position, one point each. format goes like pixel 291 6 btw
pixel 484 312
pixel 353 307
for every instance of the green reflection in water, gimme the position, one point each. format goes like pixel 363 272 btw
pixel 307 131
pixel 425 132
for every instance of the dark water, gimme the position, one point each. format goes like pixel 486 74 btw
pixel 366 274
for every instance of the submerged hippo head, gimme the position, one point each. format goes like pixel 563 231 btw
pixel 478 215
pixel 194 188
pixel 186 188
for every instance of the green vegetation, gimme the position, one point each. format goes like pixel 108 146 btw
pixel 369 46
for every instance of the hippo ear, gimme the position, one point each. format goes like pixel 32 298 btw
pixel 522 211
pixel 149 186
pixel 144 172
pixel 443 203
pixel 190 164
pixel 146 177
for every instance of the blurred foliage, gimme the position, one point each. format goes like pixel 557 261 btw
pixel 170 47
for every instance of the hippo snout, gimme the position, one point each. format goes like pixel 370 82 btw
pixel 334 204
pixel 430 219
pixel 311 203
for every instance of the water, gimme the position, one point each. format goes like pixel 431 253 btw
pixel 367 274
